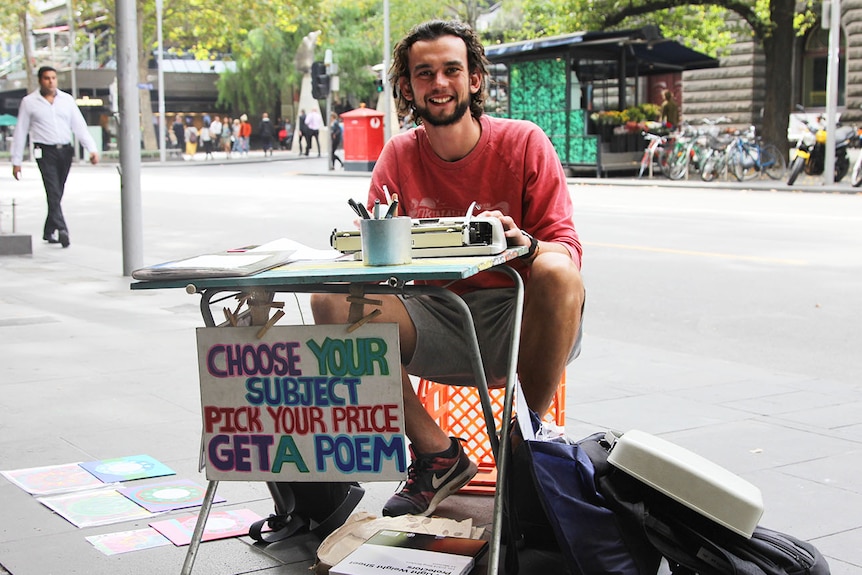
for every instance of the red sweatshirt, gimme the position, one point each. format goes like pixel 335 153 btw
pixel 513 168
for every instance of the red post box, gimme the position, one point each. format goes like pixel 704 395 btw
pixel 363 139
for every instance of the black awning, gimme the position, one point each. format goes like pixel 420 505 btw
pixel 646 52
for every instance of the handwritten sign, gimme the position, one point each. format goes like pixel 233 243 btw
pixel 304 403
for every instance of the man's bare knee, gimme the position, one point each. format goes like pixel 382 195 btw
pixel 329 308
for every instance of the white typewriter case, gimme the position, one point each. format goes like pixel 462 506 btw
pixel 690 479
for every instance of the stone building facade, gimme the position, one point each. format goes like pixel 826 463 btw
pixel 737 88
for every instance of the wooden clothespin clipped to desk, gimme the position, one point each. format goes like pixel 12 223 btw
pixel 230 316
pixel 356 315
pixel 265 328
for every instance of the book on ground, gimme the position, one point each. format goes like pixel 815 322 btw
pixel 390 552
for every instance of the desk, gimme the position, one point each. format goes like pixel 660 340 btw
pixel 338 277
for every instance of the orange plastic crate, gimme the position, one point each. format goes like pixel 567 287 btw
pixel 458 412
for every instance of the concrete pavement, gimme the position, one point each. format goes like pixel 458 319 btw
pixel 92 370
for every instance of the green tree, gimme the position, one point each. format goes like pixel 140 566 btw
pixel 14 22
pixel 693 22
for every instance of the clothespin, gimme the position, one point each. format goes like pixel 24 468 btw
pixel 364 300
pixel 275 317
pixel 270 304
pixel 230 317
pixel 363 320
pixel 357 309
pixel 356 316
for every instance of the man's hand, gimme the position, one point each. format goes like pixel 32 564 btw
pixel 513 234
pixel 94 158
pixel 16 172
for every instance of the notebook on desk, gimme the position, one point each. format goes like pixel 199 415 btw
pixel 217 265
pixel 237 262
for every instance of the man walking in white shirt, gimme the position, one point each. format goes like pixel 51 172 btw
pixel 314 121
pixel 50 117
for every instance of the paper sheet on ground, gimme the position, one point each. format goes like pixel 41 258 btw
pixel 168 495
pixel 127 468
pixel 125 541
pixel 220 525
pixel 52 479
pixel 95 507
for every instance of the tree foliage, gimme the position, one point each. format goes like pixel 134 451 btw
pixel 697 23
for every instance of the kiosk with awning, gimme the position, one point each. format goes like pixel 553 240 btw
pixel 556 82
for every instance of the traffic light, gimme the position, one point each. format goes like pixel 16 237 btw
pixel 319 81
pixel 378 83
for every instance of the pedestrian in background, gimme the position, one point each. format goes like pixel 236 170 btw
pixel 50 116
pixel 244 134
pixel 191 135
pixel 669 110
pixel 266 130
pixel 227 136
pixel 335 136
pixel 235 136
pixel 314 121
pixel 215 132
pixel 207 140
pixel 303 131
pixel 179 131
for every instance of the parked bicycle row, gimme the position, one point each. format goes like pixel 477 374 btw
pixel 714 153
pixel 711 152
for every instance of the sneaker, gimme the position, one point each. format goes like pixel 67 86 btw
pixel 430 479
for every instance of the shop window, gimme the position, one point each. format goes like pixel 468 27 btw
pixel 815 61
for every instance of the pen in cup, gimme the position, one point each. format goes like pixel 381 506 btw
pixel 359 209
pixel 377 209
pixel 393 208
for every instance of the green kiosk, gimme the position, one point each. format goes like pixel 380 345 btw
pixel 562 82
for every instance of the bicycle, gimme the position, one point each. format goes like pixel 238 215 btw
pixel 715 163
pixel 655 153
pixel 750 158
pixel 693 148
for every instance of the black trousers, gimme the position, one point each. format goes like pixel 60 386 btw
pixel 333 157
pixel 308 137
pixel 54 165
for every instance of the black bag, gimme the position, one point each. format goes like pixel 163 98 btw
pixel 319 508
pixel 694 544
pixel 553 503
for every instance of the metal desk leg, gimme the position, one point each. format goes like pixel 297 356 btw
pixel 260 315
pixel 198 533
pixel 503 452
pixel 499 446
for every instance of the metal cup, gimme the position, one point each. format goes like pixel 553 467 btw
pixel 386 242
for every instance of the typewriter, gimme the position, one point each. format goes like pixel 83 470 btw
pixel 438 237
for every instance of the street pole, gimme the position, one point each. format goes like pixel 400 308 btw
pixel 130 136
pixel 73 64
pixel 387 88
pixel 162 119
pixel 832 90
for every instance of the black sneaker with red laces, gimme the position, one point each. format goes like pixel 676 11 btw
pixel 431 478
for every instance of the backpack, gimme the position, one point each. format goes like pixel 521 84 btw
pixel 694 544
pixel 569 497
pixel 318 508
pixel 552 503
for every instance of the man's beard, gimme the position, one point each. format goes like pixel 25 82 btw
pixel 425 115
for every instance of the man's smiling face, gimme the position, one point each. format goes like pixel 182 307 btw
pixel 440 84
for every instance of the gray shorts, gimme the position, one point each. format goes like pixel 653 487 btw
pixel 441 352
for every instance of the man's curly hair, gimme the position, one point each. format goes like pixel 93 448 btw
pixel 431 30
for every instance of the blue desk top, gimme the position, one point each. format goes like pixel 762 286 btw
pixel 318 272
